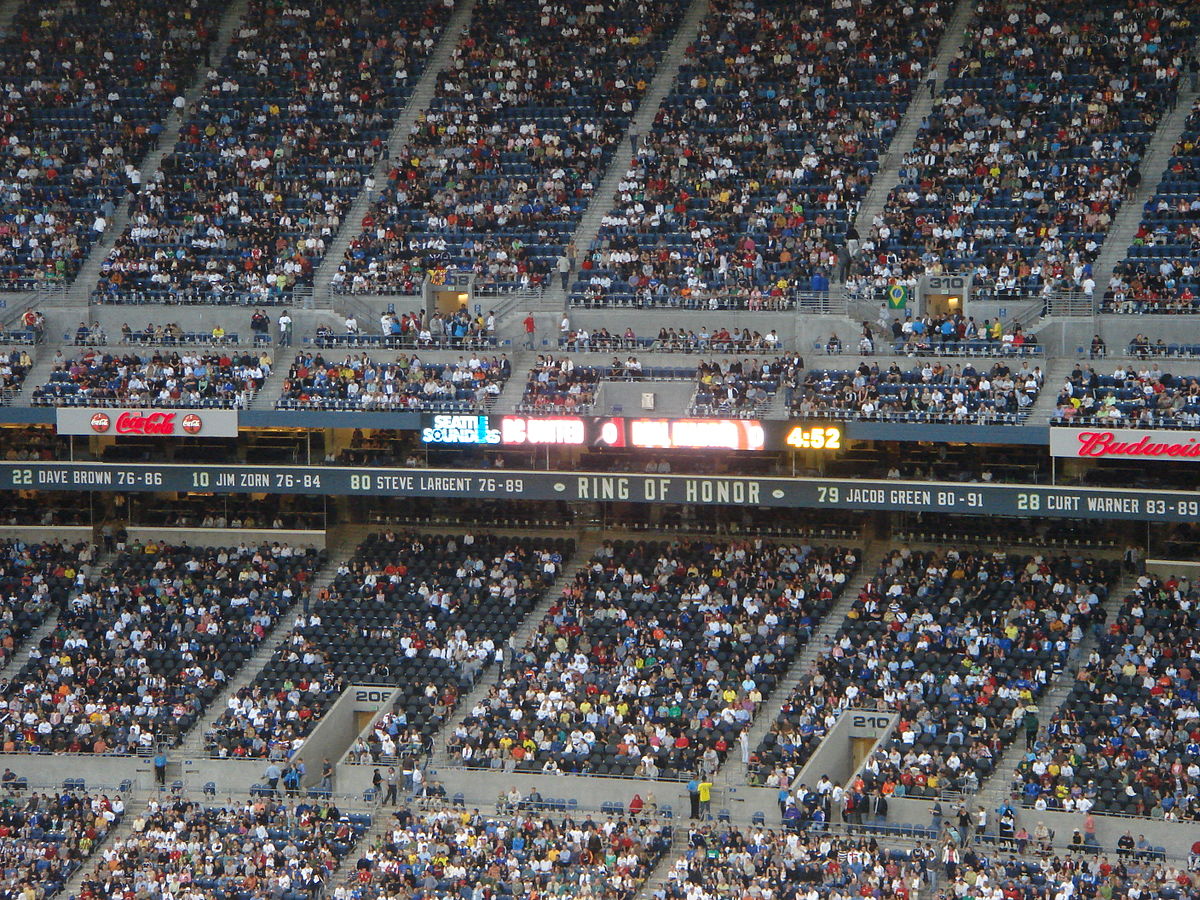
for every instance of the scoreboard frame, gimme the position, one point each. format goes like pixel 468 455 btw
pixel 970 498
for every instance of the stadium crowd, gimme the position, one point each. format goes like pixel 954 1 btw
pixel 1023 163
pixel 743 190
pixel 725 861
pixel 86 89
pixel 1128 739
pixel 359 382
pixel 960 643
pixel 46 837
pixel 524 119
pixel 35 579
pixel 145 643
pixel 14 366
pixel 523 855
pixel 1132 395
pixel 255 849
pixel 736 389
pixel 229 378
pixel 655 659
pixel 284 135
pixel 556 383
pixel 934 392
pixel 415 329
pixel 427 613
pixel 1159 273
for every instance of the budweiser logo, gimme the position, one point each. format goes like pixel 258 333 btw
pixel 1105 443
pixel 155 423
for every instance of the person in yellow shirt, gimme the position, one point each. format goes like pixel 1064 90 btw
pixel 705 791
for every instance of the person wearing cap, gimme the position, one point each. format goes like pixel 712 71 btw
pixel 1043 837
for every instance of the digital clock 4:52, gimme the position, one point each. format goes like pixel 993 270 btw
pixel 815 437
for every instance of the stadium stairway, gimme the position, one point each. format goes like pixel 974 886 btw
pixel 514 388
pixel 1129 216
pixel 1043 408
pixel 21 654
pixel 418 103
pixel 89 272
pixel 339 550
pixel 134 808
pixel 43 365
pixel 555 298
pixel 272 387
pixel 733 773
pixel 656 881
pixel 586 544
pixel 998 788
pixel 906 135
pixel 381 822
pixel 8 11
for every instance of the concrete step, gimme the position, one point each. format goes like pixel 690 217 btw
pixel 380 825
pixel 43 365
pixel 8 12
pixel 1043 408
pixel 656 882
pixel 414 109
pixel 272 388
pixel 81 289
pixel 21 653
pixel 734 771
pixel 1153 165
pixel 193 742
pixel 514 388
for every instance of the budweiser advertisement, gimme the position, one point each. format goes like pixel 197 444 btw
pixel 1125 443
pixel 148 422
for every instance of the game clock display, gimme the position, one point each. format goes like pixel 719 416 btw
pixel 814 437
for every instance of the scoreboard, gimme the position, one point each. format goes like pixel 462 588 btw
pixel 510 484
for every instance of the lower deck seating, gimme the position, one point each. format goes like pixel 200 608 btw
pixel 1127 742
pixel 423 613
pixel 143 645
pixel 251 849
pixel 655 659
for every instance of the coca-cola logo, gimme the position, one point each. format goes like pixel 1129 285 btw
pixel 192 423
pixel 100 423
pixel 155 423
pixel 1105 443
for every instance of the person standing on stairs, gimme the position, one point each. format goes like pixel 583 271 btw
pixel 1030 721
pixel 393 782
pixel 160 768
pixel 704 793
pixel 530 325
pixel 564 270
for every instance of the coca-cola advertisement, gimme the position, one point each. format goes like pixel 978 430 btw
pixel 148 422
pixel 1125 443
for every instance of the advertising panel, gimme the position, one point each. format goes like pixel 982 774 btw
pixel 147 421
